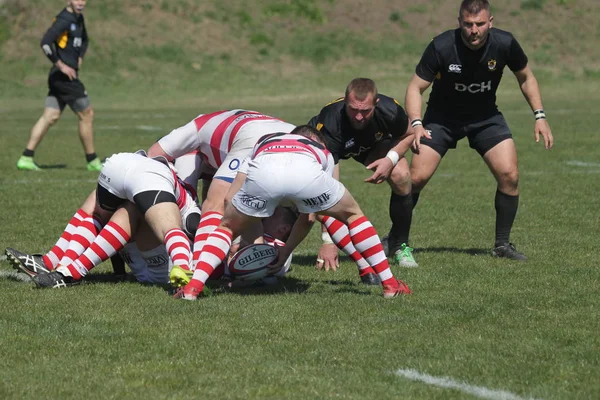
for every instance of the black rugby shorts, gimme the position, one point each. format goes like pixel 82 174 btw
pixel 483 134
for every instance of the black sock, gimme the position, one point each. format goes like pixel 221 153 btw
pixel 401 216
pixel 28 153
pixel 118 264
pixel 415 196
pixel 90 157
pixel 506 211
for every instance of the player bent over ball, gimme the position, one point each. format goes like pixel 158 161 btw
pixel 290 168
pixel 129 186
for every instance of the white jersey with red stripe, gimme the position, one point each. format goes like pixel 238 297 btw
pixel 214 134
pixel 278 143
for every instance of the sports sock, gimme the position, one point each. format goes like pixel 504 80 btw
pixel 208 223
pixel 367 243
pixel 178 247
pixel 81 238
pixel 506 211
pixel 341 237
pixel 28 153
pixel 401 215
pixel 415 198
pixel 215 251
pixel 111 239
pixel 90 157
pixel 52 258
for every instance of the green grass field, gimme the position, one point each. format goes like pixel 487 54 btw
pixel 528 329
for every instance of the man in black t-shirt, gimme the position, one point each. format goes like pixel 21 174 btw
pixel 372 129
pixel 465 66
pixel 65 44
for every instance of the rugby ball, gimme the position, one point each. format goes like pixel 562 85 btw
pixel 251 262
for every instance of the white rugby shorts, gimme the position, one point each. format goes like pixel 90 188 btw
pixel 286 178
pixel 127 174
pixel 243 144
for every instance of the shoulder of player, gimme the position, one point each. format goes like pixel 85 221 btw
pixel 388 105
pixel 503 38
pixel 330 116
pixel 445 40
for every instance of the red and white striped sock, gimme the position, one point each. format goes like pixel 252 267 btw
pixel 215 251
pixel 178 247
pixel 208 223
pixel 52 258
pixel 367 242
pixel 341 237
pixel 81 239
pixel 111 239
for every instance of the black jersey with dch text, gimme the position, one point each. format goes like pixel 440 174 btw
pixel 66 39
pixel 464 80
pixel 343 141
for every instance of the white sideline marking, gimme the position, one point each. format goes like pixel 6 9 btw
pixel 149 128
pixel 577 163
pixel 449 383
pixel 3 258
pixel 15 275
pixel 45 181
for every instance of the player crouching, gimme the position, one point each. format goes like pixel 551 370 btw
pixel 290 168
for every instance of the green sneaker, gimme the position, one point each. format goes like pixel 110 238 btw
pixel 94 165
pixel 405 257
pixel 27 164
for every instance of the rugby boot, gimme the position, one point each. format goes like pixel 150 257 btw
pixel 404 257
pixel 371 279
pixel 188 292
pixel 179 276
pixel 27 164
pixel 94 165
pixel 54 279
pixel 508 251
pixel 390 291
pixel 31 264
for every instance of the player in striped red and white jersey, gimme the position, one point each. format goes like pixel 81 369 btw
pixel 223 139
pixel 130 186
pixel 296 169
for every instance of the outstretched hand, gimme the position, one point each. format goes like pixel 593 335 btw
pixel 328 258
pixel 381 168
pixel 543 128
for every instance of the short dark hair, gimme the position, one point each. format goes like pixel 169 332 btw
pixel 361 87
pixel 308 132
pixel 473 6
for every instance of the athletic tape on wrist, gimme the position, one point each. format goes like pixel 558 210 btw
pixel 416 122
pixel 539 114
pixel 326 238
pixel 393 156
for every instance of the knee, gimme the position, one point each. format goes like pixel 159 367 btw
pixel 509 179
pixel 51 116
pixel 418 181
pixel 400 175
pixel 86 115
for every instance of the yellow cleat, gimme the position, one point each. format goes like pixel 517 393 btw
pixel 180 277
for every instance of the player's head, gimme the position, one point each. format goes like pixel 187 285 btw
pixel 279 225
pixel 76 6
pixel 475 20
pixel 309 132
pixel 361 99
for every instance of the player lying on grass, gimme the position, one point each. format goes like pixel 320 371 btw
pixel 130 187
pixel 291 168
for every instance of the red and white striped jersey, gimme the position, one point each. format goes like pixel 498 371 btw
pixel 213 134
pixel 288 143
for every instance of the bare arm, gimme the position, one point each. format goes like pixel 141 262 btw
pixel 531 90
pixel 412 103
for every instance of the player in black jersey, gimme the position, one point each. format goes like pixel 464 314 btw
pixel 465 66
pixel 372 129
pixel 65 44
